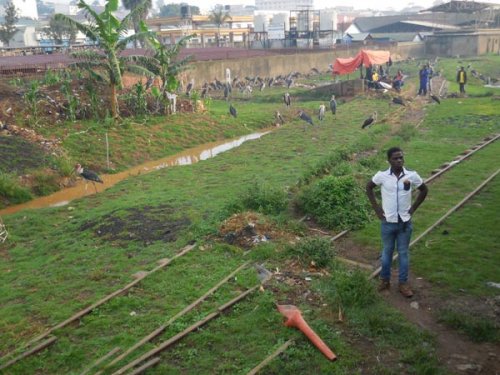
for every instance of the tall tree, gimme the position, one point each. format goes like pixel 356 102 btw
pixel 219 17
pixel 59 31
pixel 8 27
pixel 109 33
pixel 139 16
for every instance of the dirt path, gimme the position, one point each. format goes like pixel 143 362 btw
pixel 459 354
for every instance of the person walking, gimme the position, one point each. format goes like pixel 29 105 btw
pixel 462 79
pixel 395 215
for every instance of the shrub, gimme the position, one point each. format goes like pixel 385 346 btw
pixel 352 289
pixel 336 202
pixel 313 249
pixel 12 191
pixel 266 199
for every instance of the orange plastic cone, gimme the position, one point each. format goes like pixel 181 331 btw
pixel 295 319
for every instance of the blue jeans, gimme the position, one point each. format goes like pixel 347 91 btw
pixel 392 234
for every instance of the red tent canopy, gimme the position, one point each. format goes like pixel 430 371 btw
pixel 365 57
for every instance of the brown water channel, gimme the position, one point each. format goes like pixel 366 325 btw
pixel 190 156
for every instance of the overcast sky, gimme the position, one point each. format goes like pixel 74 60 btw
pixel 319 4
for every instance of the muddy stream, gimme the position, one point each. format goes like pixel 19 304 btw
pixel 186 157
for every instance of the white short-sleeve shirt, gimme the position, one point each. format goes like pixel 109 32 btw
pixel 395 199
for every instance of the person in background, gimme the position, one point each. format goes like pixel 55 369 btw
pixel 424 77
pixel 462 79
pixel 398 81
pixel 395 215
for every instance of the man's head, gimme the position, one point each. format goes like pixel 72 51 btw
pixel 395 157
pixel 462 68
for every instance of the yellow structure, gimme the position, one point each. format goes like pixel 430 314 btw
pixel 236 29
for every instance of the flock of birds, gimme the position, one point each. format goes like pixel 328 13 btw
pixel 247 86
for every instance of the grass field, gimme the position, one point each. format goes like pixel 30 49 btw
pixel 59 260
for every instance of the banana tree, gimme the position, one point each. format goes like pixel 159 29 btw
pixel 110 35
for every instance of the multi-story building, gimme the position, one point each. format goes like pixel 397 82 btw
pixel 283 5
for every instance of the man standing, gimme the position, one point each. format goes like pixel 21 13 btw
pixel 395 214
pixel 424 77
pixel 462 79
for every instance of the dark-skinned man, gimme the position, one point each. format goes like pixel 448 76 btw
pixel 395 214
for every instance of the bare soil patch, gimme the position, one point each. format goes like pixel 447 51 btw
pixel 148 224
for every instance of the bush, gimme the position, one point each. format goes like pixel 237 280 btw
pixel 313 249
pixel 12 191
pixel 266 199
pixel 336 202
pixel 352 289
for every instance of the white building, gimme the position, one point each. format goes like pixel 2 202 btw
pixel 283 5
pixel 25 8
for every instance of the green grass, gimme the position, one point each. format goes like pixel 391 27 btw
pixel 57 260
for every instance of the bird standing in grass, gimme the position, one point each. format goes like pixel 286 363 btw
pixel 233 111
pixel 436 99
pixel 333 105
pixel 305 117
pixel 287 99
pixel 370 120
pixel 279 119
pixel 88 175
pixel 321 112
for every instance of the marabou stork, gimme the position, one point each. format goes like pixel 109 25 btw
pixel 321 112
pixel 436 99
pixel 287 99
pixel 305 117
pixel 279 119
pixel 333 105
pixel 233 111
pixel 88 175
pixel 398 101
pixel 370 120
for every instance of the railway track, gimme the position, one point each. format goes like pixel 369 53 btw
pixel 150 358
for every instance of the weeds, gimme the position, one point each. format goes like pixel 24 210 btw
pixel 336 202
pixel 477 328
pixel 11 190
pixel 31 97
pixel 265 198
pixel 44 183
pixel 313 250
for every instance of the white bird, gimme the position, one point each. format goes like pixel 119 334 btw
pixel 321 112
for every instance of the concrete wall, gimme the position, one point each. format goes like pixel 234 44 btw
pixel 269 66
pixel 464 43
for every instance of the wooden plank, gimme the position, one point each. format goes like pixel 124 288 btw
pixel 188 330
pixel 266 361
pixel 105 299
pixel 34 350
pixel 188 308
pixel 145 366
pixel 101 360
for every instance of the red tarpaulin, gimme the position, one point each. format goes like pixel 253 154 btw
pixel 365 57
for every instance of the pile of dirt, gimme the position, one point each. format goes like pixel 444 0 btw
pixel 248 229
